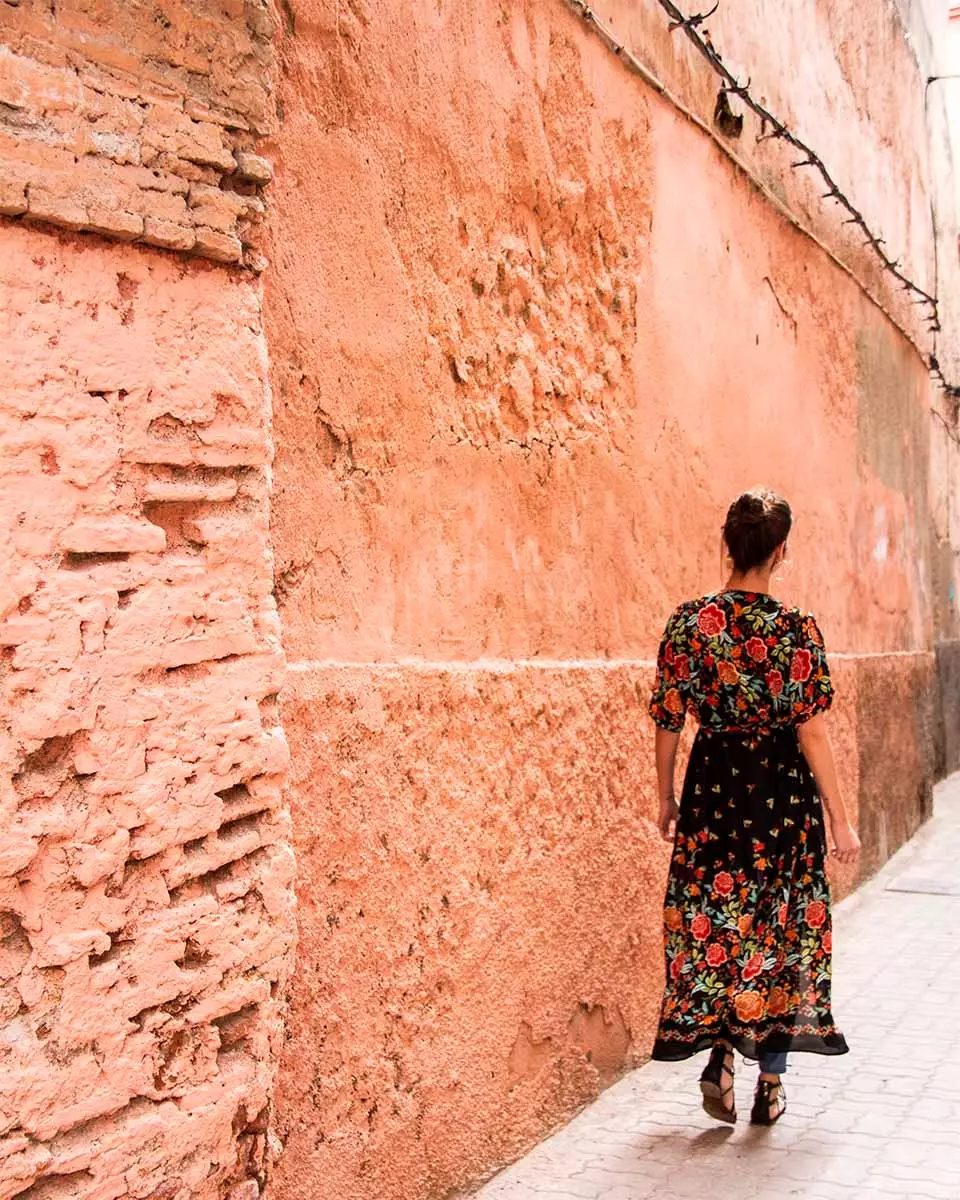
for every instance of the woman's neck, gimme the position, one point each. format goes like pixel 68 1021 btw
pixel 749 581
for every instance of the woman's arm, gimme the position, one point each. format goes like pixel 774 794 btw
pixel 815 743
pixel 666 754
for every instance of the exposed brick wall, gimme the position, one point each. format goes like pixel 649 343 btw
pixel 137 121
pixel 145 873
pixel 146 907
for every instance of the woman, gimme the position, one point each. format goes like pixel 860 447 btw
pixel 747 913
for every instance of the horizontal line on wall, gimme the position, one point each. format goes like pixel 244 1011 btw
pixel 501 665
pixel 858 654
pixel 505 665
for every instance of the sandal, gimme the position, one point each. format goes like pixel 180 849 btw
pixel 769 1093
pixel 716 1084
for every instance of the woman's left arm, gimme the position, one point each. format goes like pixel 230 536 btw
pixel 666 755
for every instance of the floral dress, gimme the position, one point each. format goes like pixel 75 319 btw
pixel 747 912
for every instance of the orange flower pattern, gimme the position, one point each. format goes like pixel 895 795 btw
pixel 747 917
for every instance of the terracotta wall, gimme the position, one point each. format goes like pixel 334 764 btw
pixel 526 328
pixel 146 905
pixel 530 329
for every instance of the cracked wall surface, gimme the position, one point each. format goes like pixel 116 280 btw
pixel 145 893
pixel 146 904
pixel 530 330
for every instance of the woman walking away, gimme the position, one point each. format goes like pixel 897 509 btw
pixel 747 914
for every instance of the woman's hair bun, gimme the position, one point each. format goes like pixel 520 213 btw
pixel 757 523
pixel 750 509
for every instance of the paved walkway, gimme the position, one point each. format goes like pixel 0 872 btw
pixel 882 1121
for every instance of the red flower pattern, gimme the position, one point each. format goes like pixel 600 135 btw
pixel 716 956
pixel 816 914
pixel 701 926
pixel 723 883
pixel 711 620
pixel 801 666
pixel 757 649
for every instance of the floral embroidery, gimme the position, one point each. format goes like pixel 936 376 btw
pixel 728 673
pixel 723 883
pixel 749 1005
pixel 800 666
pixel 816 914
pixel 711 620
pixel 740 660
pixel 757 649
pixel 777 1002
pixel 716 956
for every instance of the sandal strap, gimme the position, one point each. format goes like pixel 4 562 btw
pixel 768 1090
pixel 717 1066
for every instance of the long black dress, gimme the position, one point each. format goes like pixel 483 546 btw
pixel 747 915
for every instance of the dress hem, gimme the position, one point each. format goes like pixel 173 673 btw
pixel 668 1050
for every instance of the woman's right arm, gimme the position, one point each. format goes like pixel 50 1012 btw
pixel 814 741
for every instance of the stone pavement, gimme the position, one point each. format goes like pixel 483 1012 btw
pixel 882 1121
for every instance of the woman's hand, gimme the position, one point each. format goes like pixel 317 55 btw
pixel 846 843
pixel 667 821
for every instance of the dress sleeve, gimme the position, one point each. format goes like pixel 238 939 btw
pixel 810 683
pixel 668 702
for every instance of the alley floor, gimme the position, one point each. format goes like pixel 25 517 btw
pixel 882 1121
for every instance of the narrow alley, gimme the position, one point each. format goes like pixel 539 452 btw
pixel 882 1121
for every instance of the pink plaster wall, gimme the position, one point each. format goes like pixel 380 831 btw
pixel 145 900
pixel 529 331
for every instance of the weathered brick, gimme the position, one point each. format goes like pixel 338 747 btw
pixel 58 207
pixel 177 491
pixel 120 147
pixel 168 234
pixel 112 535
pixel 13 197
pixel 223 247
pixel 253 167
pixel 167 206
pixel 110 83
pixel 114 222
pixel 117 155
pixel 215 208
pixel 202 142
pixel 250 1190
pixel 203 112
pixel 155 180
